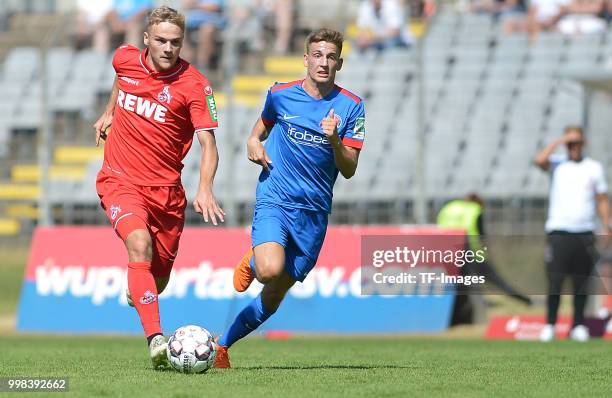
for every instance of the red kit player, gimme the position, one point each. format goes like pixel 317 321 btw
pixel 157 103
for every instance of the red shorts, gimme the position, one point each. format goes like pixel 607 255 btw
pixel 161 209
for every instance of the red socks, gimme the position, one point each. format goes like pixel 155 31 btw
pixel 144 294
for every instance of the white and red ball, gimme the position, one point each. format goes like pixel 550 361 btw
pixel 191 349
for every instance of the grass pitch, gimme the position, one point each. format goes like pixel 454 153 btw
pixel 321 367
pixel 12 266
pixel 113 366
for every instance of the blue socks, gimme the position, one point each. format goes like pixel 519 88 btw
pixel 252 265
pixel 248 320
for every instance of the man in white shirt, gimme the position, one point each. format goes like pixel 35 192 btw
pixel 578 191
pixel 382 24
pixel 566 16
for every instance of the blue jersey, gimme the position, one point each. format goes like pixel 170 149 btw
pixel 303 171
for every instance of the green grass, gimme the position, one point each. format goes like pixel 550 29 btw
pixel 12 267
pixel 309 367
pixel 325 366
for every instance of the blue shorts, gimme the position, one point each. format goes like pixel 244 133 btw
pixel 301 232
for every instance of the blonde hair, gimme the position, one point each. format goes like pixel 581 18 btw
pixel 166 14
pixel 328 35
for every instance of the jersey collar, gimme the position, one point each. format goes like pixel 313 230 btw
pixel 162 75
pixel 327 97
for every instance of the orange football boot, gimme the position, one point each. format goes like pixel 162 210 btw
pixel 243 276
pixel 222 360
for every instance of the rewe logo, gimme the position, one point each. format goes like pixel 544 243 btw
pixel 142 106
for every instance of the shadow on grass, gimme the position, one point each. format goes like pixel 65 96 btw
pixel 342 367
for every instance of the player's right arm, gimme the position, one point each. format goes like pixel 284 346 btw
pixel 256 151
pixel 542 159
pixel 105 121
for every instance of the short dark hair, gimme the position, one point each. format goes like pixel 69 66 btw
pixel 328 35
pixel 474 197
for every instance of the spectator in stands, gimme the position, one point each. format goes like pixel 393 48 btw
pixel 578 189
pixel 582 17
pixel 499 9
pixel 205 19
pixel 541 15
pixel 127 19
pixel 91 27
pixel 467 214
pixel 421 9
pixel 606 13
pixel 255 17
pixel 566 16
pixel 382 24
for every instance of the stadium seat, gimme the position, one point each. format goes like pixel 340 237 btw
pixel 88 67
pixel 397 56
pixel 21 64
pixel 85 190
pixel 19 192
pixel 59 60
pixel 260 83
pixel 9 227
pixel 284 65
pixel 77 154
pixel 31 173
pixel 28 115
pixel 491 101
pixel 21 211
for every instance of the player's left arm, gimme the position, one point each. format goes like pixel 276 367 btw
pixel 603 208
pixel 345 157
pixel 603 202
pixel 204 118
pixel 205 202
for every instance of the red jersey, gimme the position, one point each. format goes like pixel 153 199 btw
pixel 156 116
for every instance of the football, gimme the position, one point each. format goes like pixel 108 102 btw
pixel 191 349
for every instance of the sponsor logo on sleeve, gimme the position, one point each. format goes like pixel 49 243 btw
pixel 210 102
pixel 359 133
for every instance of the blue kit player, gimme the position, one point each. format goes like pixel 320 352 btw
pixel 313 129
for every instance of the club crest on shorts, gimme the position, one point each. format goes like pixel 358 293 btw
pixel 148 298
pixel 115 210
pixel 164 95
pixel 208 91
